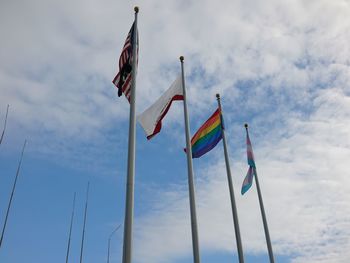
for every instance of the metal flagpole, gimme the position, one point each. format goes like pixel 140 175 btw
pixel 83 235
pixel 3 131
pixel 109 241
pixel 129 202
pixel 266 229
pixel 12 193
pixel 194 227
pixel 70 229
pixel 232 194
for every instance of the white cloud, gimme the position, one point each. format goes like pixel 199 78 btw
pixel 305 186
pixel 281 66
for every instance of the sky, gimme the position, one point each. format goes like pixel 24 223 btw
pixel 283 67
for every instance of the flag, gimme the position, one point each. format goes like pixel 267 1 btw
pixel 247 183
pixel 151 118
pixel 123 78
pixel 248 180
pixel 208 135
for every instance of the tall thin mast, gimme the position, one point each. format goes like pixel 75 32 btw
pixel 194 227
pixel 266 228
pixel 109 241
pixel 70 229
pixel 129 202
pixel 12 193
pixel 85 213
pixel 232 194
pixel 3 131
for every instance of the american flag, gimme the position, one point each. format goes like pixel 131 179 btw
pixel 123 78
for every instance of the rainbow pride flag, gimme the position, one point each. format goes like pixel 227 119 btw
pixel 208 135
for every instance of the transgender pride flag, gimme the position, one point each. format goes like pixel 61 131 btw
pixel 248 180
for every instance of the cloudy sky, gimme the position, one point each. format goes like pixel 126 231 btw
pixel 281 66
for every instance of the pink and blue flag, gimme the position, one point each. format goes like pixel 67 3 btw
pixel 248 180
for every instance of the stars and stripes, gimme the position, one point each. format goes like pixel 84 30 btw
pixel 123 78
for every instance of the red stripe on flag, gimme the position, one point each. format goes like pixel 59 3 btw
pixel 159 123
pixel 126 57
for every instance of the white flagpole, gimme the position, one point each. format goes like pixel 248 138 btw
pixel 232 194
pixel 12 193
pixel 129 202
pixel 195 243
pixel 266 228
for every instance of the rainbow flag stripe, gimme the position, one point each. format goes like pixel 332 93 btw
pixel 208 135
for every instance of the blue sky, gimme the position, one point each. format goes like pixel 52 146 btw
pixel 283 67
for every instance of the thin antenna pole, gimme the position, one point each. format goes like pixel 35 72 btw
pixel 109 241
pixel 70 229
pixel 232 194
pixel 3 131
pixel 12 193
pixel 266 228
pixel 129 200
pixel 194 227
pixel 83 235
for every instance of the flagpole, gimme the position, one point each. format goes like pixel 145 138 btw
pixel 83 235
pixel 129 202
pixel 232 194
pixel 266 229
pixel 194 227
pixel 70 229
pixel 109 241
pixel 12 193
pixel 3 131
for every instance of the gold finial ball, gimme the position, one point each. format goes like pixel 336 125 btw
pixel 246 125
pixel 136 8
pixel 182 58
pixel 217 95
